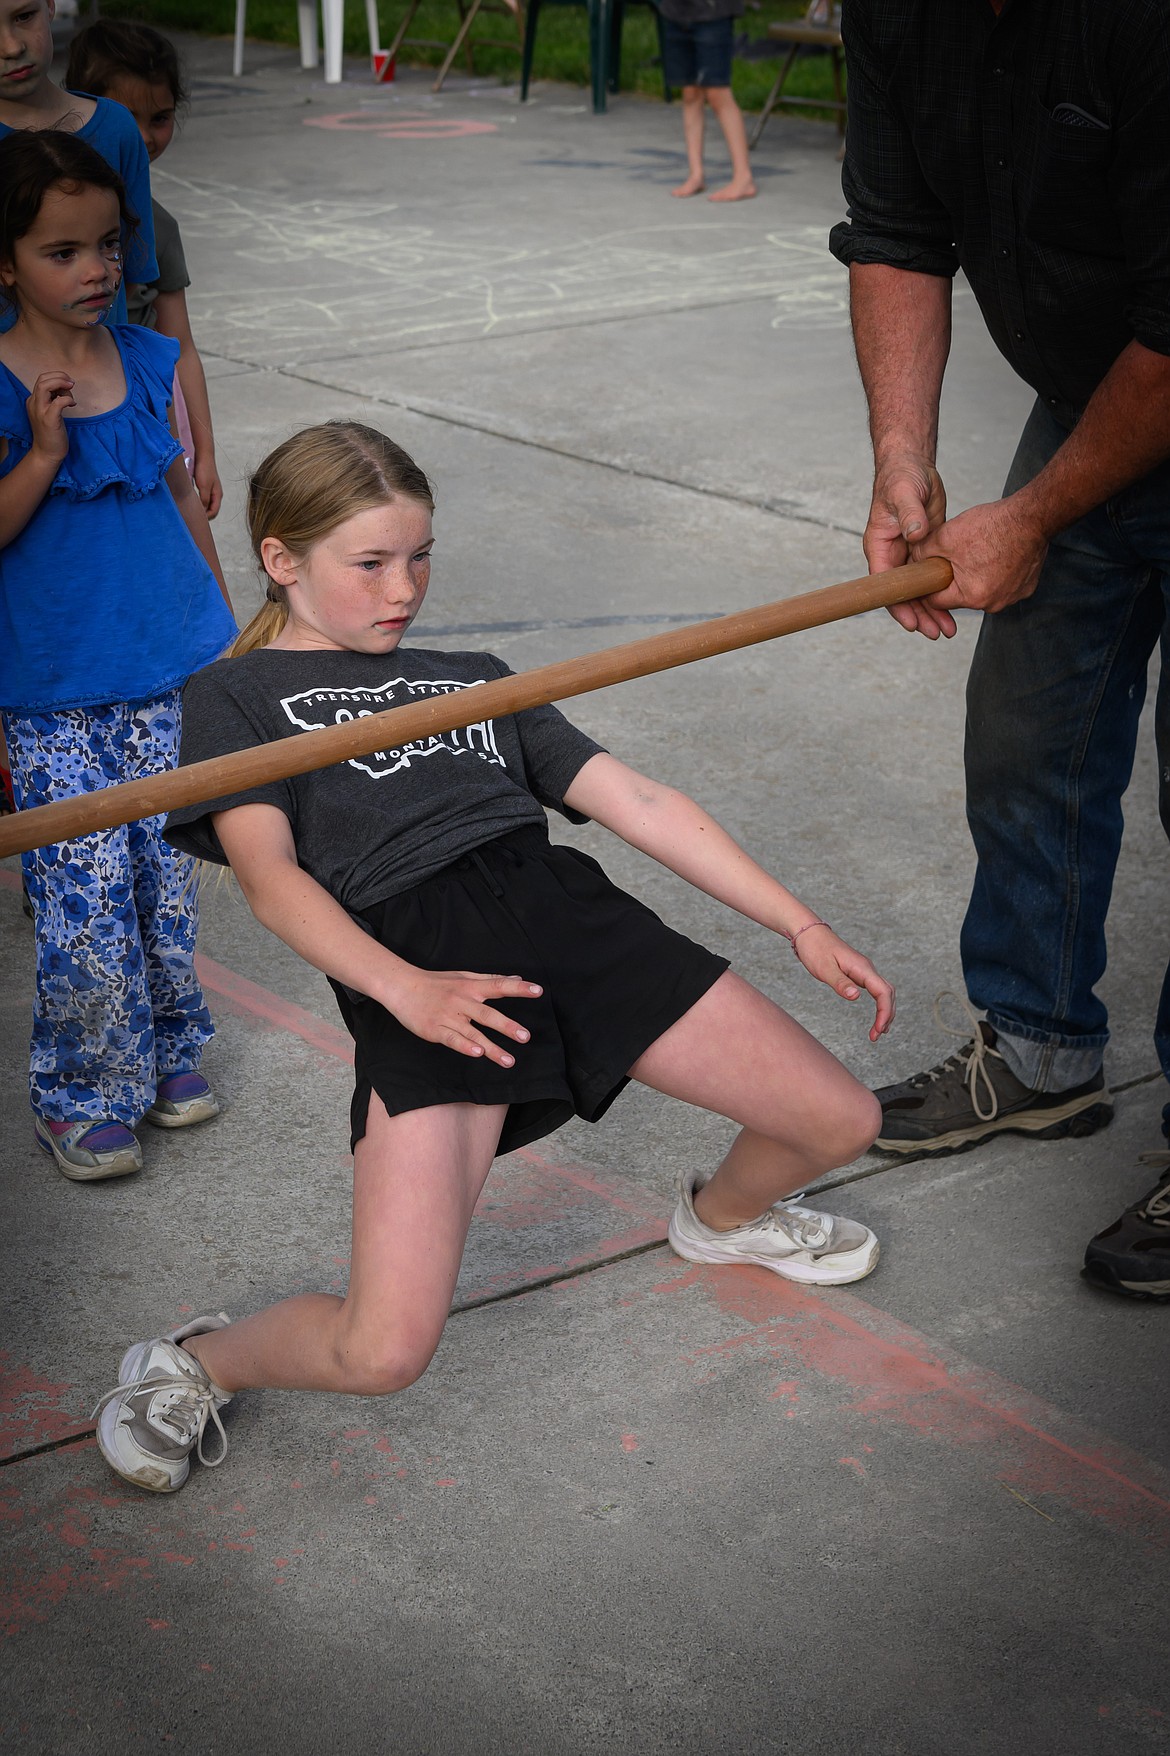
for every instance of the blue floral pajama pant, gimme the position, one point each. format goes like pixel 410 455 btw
pixel 117 1005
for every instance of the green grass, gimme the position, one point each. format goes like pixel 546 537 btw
pixel 562 43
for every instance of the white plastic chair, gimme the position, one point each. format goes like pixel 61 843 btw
pixel 333 19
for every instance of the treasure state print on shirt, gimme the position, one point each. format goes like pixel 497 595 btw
pixel 314 709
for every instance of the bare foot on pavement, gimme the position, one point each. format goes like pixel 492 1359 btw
pixel 732 192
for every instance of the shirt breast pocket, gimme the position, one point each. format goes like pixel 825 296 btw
pixel 1066 191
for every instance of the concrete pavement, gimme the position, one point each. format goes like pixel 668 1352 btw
pixel 634 1506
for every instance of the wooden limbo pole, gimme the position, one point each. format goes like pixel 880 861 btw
pixel 221 776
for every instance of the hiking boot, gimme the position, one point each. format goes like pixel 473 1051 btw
pixel 154 1418
pixel 1132 1256
pixel 973 1095
pixel 88 1151
pixel 181 1101
pixel 791 1240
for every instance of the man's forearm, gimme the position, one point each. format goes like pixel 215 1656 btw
pixel 902 333
pixel 1122 435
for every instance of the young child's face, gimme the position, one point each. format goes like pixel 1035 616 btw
pixel 68 266
pixel 26 47
pixel 152 107
pixel 360 587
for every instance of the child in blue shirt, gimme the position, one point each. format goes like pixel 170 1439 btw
pixel 110 596
pixel 137 67
pixel 29 98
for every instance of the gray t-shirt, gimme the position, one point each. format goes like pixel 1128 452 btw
pixel 372 827
pixel 172 270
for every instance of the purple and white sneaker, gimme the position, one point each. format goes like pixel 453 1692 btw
pixel 182 1100
pixel 88 1151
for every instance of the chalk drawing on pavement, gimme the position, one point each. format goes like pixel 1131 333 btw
pixel 321 278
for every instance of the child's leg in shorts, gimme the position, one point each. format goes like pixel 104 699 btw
pixel 737 1053
pixel 730 119
pixel 679 69
pixel 417 1178
pixel 713 42
pixel 693 120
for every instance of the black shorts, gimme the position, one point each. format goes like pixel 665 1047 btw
pixel 697 54
pixel 614 979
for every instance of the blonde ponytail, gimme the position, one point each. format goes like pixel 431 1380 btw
pixel 262 630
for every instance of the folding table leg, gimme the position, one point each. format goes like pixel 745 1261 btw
pixel 400 34
pixel 238 47
pixel 307 32
pixel 466 23
pixel 333 19
pixel 530 16
pixel 774 94
pixel 599 52
pixel 835 57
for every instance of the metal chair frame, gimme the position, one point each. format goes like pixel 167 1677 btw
pixel 468 12
pixel 803 36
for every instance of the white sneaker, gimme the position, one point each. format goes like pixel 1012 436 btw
pixel 134 1361
pixel 155 1416
pixel 792 1241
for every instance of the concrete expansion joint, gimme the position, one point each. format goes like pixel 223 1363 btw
pixel 577 1272
pixel 788 510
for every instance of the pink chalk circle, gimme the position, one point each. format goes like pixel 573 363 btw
pixel 403 127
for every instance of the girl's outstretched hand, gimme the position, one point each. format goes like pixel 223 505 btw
pixel 51 395
pixel 847 972
pixel 452 1007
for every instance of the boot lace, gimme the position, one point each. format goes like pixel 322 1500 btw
pixel 970 1060
pixel 1157 1208
pixel 182 1407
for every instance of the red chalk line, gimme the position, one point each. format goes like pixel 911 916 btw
pixel 908 1378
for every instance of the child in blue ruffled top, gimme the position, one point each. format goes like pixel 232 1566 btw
pixel 110 596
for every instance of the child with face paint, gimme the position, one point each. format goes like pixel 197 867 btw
pixel 138 68
pixel 31 99
pixel 110 596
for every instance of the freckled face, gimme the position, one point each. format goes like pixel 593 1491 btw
pixel 360 587
pixel 68 265
pixel 152 107
pixel 26 45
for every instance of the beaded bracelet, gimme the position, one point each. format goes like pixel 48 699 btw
pixel 793 937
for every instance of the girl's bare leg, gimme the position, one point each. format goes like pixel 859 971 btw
pixel 730 118
pixel 692 104
pixel 738 1054
pixel 416 1179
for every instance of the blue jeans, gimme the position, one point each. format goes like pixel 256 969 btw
pixel 1054 697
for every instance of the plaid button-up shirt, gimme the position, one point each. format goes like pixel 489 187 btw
pixel 1033 151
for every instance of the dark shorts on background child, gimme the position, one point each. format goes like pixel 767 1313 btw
pixel 697 54
pixel 614 976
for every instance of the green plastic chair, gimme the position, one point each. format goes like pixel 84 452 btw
pixel 606 18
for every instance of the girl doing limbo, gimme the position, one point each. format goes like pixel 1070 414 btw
pixel 400 874
pixel 110 596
